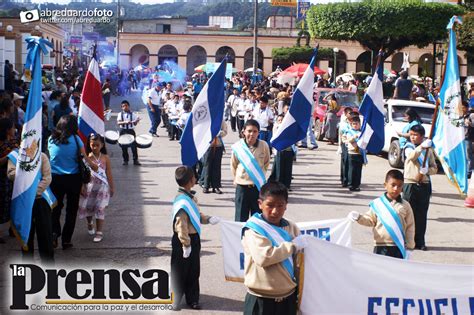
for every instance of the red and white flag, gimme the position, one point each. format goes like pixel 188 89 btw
pixel 91 110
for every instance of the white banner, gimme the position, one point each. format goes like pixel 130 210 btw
pixel 337 231
pixel 341 280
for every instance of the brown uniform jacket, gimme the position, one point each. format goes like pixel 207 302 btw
pixel 45 174
pixel 261 152
pixel 412 166
pixel 264 275
pixel 381 235
pixel 182 224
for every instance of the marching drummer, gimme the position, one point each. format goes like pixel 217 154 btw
pixel 127 120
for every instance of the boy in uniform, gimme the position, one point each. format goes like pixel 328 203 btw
pixel 269 243
pixel 186 241
pixel 417 187
pixel 344 125
pixel 356 156
pixel 249 163
pixel 127 121
pixel 391 218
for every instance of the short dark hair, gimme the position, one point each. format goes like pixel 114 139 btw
pixel 264 99
pixel 348 110
pixel 183 175
pixel 125 102
pixel 418 129
pixel 355 119
pixel 273 188
pixel 251 122
pixel 395 174
pixel 5 125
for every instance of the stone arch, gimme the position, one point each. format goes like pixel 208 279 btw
pixel 363 62
pixel 195 57
pixel 248 58
pixel 425 65
pixel 167 53
pixel 139 55
pixel 341 62
pixel 222 51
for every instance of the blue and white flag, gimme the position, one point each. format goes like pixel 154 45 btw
pixel 189 206
pixel 294 126
pixel 28 167
pixel 373 134
pixel 448 138
pixel 205 120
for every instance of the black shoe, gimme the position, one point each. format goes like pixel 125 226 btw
pixel 125 163
pixel 171 139
pixel 67 246
pixel 354 188
pixel 137 163
pixel 422 247
pixel 55 240
pixel 154 134
pixel 344 185
pixel 205 190
pixel 217 191
pixel 195 306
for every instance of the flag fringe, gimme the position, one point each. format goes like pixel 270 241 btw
pixel 18 237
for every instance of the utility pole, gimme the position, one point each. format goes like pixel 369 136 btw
pixel 118 31
pixel 255 36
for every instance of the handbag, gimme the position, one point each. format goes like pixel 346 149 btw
pixel 83 169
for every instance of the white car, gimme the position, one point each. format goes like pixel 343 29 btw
pixel 394 122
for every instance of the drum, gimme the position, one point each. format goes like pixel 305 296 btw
pixel 111 136
pixel 126 140
pixel 144 141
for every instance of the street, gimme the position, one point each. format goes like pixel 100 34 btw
pixel 138 226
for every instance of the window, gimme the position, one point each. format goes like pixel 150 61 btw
pixel 166 28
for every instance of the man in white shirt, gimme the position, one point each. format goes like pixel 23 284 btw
pixel 127 120
pixel 232 102
pixel 154 109
pixel 352 87
pixel 241 111
pixel 264 115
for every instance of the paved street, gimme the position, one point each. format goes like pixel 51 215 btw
pixel 138 226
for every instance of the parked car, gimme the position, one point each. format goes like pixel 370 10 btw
pixel 344 98
pixel 394 122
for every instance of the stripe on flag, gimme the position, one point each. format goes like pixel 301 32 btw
pixel 91 110
pixel 295 123
pixel 372 135
pixel 205 120
pixel 448 139
pixel 28 166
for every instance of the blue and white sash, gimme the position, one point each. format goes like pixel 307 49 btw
pixel 187 204
pixel 249 162
pixel 47 194
pixel 421 157
pixel 390 220
pixel 355 133
pixel 275 234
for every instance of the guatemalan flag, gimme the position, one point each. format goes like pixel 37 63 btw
pixel 91 111
pixel 372 135
pixel 295 124
pixel 205 120
pixel 28 167
pixel 448 138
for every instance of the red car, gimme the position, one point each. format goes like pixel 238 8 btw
pixel 344 98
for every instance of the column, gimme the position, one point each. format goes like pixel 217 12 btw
pixel 2 62
pixel 267 65
pixel 239 63
pixel 24 49
pixel 351 66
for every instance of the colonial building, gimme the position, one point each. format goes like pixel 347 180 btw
pixel 156 40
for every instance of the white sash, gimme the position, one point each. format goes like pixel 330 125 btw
pixel 249 162
pixel 189 206
pixel 390 220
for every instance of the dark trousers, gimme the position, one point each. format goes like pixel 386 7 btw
pixel 418 195
pixel 155 118
pixel 246 202
pixel 211 170
pixel 173 131
pixel 391 251
pixel 255 305
pixel 185 272
pixel 133 146
pixel 355 170
pixel 164 117
pixel 266 135
pixel 344 165
pixel 41 225
pixel 233 123
pixel 240 124
pixel 68 186
pixel 283 167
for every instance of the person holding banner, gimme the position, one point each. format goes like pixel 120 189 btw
pixel 391 218
pixel 417 187
pixel 249 163
pixel 269 243
pixel 186 241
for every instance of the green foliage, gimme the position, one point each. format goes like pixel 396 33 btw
pixel 391 24
pixel 465 35
pixel 288 55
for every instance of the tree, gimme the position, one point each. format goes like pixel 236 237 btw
pixel 466 35
pixel 388 24
pixel 285 56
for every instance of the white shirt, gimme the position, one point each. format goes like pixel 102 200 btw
pixel 126 116
pixel 263 116
pixel 241 107
pixel 155 97
pixel 183 119
pixel 174 110
pixel 353 88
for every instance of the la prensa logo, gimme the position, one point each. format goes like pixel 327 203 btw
pixel 96 286
pixel 29 154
